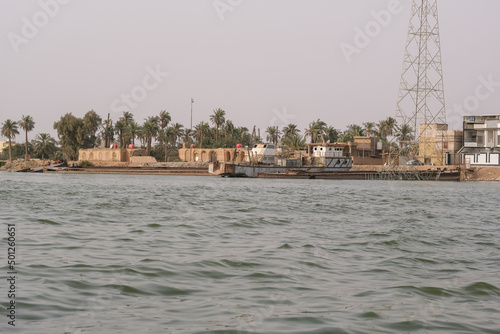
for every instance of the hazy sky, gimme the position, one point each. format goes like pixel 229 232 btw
pixel 265 62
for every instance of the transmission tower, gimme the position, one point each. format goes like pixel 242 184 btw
pixel 421 91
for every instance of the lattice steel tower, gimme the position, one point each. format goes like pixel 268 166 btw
pixel 421 91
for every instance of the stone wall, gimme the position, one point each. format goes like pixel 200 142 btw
pixel 111 155
pixel 213 154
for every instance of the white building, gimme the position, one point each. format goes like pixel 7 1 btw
pixel 481 144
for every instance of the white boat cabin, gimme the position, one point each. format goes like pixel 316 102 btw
pixel 264 153
pixel 328 152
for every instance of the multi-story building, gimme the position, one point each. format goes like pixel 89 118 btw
pixel 437 145
pixel 481 143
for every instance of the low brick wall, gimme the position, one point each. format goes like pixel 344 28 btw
pixel 142 160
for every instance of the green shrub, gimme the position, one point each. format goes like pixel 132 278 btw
pixel 85 163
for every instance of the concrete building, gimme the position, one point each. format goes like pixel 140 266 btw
pixel 367 151
pixel 439 146
pixel 481 140
pixel 5 144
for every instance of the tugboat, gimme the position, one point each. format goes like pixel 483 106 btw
pixel 266 161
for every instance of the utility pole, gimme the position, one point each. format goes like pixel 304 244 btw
pixel 421 92
pixel 192 101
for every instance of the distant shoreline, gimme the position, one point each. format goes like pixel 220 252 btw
pixel 477 173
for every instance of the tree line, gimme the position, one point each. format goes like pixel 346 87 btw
pixel 162 138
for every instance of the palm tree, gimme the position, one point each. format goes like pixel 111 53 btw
pixel 369 128
pixel 315 130
pixel 332 134
pixel 44 144
pixel 127 117
pixel 150 130
pixel 120 128
pixel 218 118
pixel 229 130
pixel 133 129
pixel 201 129
pixel 27 124
pixel 296 142
pixel 163 120
pixel 289 131
pixel 386 128
pixel 177 132
pixel 273 134
pixel 9 130
pixel 188 136
pixel 107 132
pixel 353 130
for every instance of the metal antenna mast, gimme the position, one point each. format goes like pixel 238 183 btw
pixel 421 91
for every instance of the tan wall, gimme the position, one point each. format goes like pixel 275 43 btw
pixel 213 155
pixel 367 161
pixel 142 160
pixel 436 141
pixel 110 155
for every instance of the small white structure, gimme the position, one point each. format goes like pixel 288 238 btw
pixel 264 153
pixel 328 152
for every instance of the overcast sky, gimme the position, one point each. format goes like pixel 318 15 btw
pixel 265 62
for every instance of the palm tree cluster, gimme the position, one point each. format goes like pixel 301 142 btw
pixel 162 138
pixel 41 147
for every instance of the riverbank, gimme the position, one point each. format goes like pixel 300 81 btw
pixel 480 173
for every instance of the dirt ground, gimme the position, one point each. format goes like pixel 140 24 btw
pixel 484 174
pixel 21 164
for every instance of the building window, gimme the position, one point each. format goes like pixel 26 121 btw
pixel 472 118
pixel 445 146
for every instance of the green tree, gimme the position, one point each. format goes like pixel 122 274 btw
pixel 386 128
pixel 163 122
pixel 44 145
pixel 71 135
pixel 289 131
pixel 177 132
pixel 120 129
pixel 296 142
pixel 202 130
pixel 27 124
pixel 133 129
pixel 315 130
pixel 107 132
pixel 10 130
pixel 353 130
pixel 127 117
pixel 91 124
pixel 332 134
pixel 369 128
pixel 188 137
pixel 150 129
pixel 218 119
pixel 273 134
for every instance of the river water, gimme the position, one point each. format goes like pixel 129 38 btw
pixel 179 254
